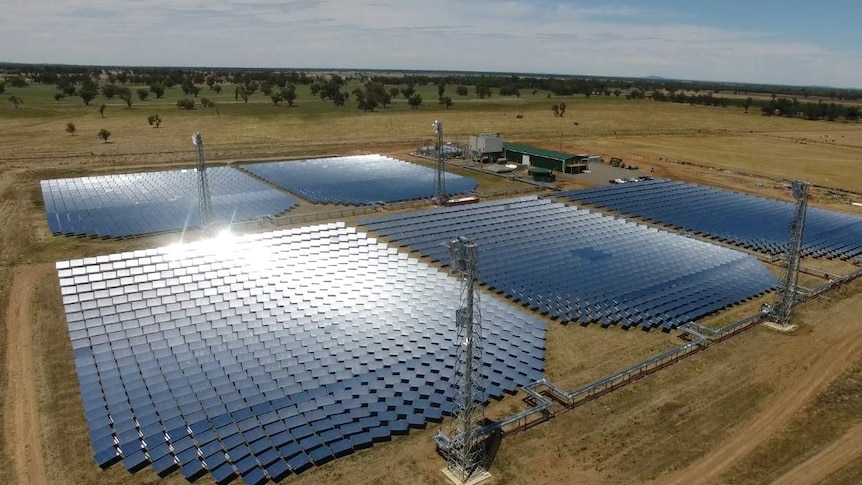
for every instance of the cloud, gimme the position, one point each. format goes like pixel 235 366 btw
pixel 510 35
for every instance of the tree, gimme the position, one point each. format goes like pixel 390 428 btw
pixel 188 87
pixel 2 87
pixel 59 96
pixel 250 88
pixel 446 101
pixel 186 103
pixel 216 88
pixel 88 91
pixel 288 92
pixel 125 94
pixel 441 88
pixel 158 89
pixel 393 92
pixel 379 93
pixel 206 103
pixel 71 128
pixel 363 101
pixel 242 92
pixel 104 135
pixel 414 101
pixel 562 109
pixel 462 90
pixel 102 110
pixel 340 98
pixel 154 120
pixel 556 110
pixel 210 81
pixel 367 104
pixel 16 100
pixel 747 103
pixel 510 90
pixel 109 91
pixel 482 91
pixel 408 91
pixel 18 81
pixel 276 97
pixel 143 93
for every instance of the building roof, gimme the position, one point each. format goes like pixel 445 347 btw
pixel 539 152
pixel 539 171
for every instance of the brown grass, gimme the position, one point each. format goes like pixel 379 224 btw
pixel 827 165
pixel 834 411
pixel 658 424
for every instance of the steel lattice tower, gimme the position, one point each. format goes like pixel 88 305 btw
pixel 787 295
pixel 203 186
pixel 440 189
pixel 466 455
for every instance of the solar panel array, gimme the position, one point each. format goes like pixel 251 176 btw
pixel 754 222
pixel 262 355
pixel 584 266
pixel 115 206
pixel 357 180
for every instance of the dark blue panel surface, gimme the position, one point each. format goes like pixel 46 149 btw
pixel 582 266
pixel 328 341
pixel 357 180
pixel 753 222
pixel 113 206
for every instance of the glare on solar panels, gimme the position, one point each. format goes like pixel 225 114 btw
pixel 235 351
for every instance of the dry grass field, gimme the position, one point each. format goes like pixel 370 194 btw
pixel 750 410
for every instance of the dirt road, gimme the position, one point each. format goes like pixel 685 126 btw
pixel 776 414
pixel 21 426
pixel 842 452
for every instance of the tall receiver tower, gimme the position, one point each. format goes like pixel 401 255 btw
pixel 440 190
pixel 203 187
pixel 787 295
pixel 466 455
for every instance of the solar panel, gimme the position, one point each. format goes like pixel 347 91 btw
pixel 754 222
pixel 260 355
pixel 582 266
pixel 115 206
pixel 357 180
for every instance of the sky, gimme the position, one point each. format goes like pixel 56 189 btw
pixel 796 42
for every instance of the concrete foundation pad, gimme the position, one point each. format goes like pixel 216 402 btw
pixel 780 328
pixel 477 477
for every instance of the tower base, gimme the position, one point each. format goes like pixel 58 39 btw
pixel 779 327
pixel 477 477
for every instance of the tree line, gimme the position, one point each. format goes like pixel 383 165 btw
pixel 776 106
pixel 561 85
pixel 380 90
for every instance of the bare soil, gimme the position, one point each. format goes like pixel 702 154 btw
pixel 779 412
pixel 842 452
pixel 21 425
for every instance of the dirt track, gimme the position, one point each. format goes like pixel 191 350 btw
pixel 839 454
pixel 778 413
pixel 21 426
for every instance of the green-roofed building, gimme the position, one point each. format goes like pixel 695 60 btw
pixel 539 157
